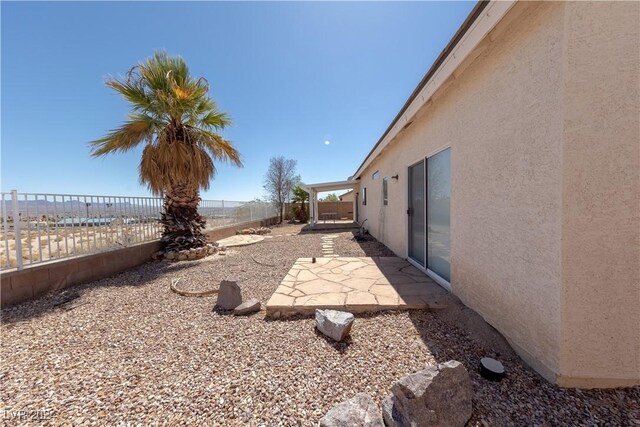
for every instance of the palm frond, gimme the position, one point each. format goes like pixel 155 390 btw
pixel 137 129
pixel 217 146
pixel 216 120
pixel 133 93
pixel 176 118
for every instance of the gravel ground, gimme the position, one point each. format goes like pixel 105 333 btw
pixel 134 352
pixel 345 246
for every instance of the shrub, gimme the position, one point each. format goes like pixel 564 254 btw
pixel 300 214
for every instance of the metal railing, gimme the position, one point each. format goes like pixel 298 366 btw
pixel 39 227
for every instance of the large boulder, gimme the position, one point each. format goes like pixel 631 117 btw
pixel 437 396
pixel 229 295
pixel 248 307
pixel 359 411
pixel 391 413
pixel 334 324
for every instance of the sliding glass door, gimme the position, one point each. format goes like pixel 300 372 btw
pixel 416 213
pixel 439 214
pixel 430 214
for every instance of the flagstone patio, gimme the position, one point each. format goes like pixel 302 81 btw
pixel 241 240
pixel 356 285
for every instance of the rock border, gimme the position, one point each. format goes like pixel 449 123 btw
pixel 190 254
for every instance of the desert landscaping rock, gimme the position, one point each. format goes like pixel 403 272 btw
pixel 334 324
pixel 439 395
pixel 189 254
pixel 229 295
pixel 391 413
pixel 261 230
pixel 248 307
pixel 359 411
pixel 138 354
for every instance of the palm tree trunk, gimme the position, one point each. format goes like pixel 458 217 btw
pixel 182 223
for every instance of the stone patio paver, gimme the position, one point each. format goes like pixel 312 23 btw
pixel 241 240
pixel 356 285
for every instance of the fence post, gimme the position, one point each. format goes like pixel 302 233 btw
pixel 250 212
pixel 224 219
pixel 17 236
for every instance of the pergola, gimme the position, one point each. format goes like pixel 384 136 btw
pixel 314 189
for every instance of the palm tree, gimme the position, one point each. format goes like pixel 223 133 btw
pixel 300 196
pixel 177 121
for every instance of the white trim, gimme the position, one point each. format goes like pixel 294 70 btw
pixel 416 264
pixel 438 150
pixel 436 278
pixel 413 163
pixel 385 186
pixel 331 186
pixel 429 154
pixel 406 214
pixel 408 230
pixel 439 280
pixel 480 28
pixel 433 276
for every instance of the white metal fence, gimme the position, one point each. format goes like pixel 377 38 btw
pixel 38 227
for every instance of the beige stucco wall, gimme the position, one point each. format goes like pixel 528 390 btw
pixel 601 195
pixel 347 197
pixel 504 115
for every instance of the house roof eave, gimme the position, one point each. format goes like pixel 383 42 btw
pixel 470 33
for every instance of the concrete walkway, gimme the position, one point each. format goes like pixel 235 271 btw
pixel 356 285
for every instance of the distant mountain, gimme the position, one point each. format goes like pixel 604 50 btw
pixel 74 207
pixel 113 207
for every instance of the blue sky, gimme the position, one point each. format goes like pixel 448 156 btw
pixel 291 75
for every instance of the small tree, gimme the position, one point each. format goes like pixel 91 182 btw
pixel 300 196
pixel 330 198
pixel 280 180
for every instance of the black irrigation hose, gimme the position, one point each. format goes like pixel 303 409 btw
pixel 189 293
pixel 261 263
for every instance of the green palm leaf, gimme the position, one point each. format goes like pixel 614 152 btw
pixel 176 119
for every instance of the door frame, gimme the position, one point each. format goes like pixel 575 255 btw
pixel 436 278
pixel 424 170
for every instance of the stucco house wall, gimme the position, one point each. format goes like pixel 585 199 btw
pixel 517 156
pixel 347 197
pixel 601 195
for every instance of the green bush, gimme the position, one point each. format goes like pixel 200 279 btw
pixel 300 214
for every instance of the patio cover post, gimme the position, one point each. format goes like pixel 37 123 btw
pixel 312 196
pixel 314 189
pixel 354 207
pixel 315 207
